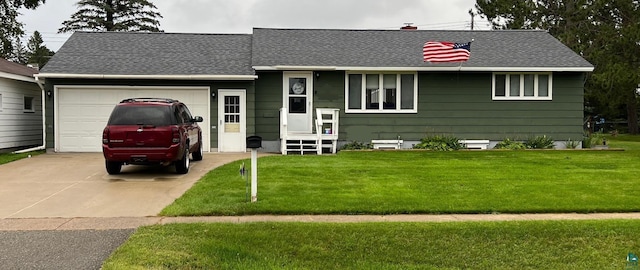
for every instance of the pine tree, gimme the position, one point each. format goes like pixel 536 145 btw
pixel 20 54
pixel 113 15
pixel 38 53
pixel 12 30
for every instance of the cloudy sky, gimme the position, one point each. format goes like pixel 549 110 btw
pixel 240 16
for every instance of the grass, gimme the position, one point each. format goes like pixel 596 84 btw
pixel 10 157
pixel 624 141
pixel 425 182
pixel 472 245
pixel 405 182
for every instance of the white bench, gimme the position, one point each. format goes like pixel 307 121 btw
pixel 387 144
pixel 475 144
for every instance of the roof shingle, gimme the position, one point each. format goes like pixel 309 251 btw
pixel 395 48
pixel 141 53
pixel 121 53
pixel 16 69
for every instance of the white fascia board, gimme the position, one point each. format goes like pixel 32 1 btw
pixel 305 68
pixel 447 68
pixel 528 69
pixel 17 77
pixel 154 77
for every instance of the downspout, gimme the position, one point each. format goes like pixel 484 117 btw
pixel 44 129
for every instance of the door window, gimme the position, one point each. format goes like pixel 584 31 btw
pixel 232 114
pixel 297 95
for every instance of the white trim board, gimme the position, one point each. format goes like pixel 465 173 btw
pixel 157 77
pixel 440 68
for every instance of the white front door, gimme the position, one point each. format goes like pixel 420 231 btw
pixel 298 99
pixel 232 120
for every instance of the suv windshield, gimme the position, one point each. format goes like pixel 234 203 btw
pixel 142 115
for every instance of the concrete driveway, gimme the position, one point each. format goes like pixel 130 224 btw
pixel 77 185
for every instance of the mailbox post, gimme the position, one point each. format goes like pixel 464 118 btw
pixel 254 142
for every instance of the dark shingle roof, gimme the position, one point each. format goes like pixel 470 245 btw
pixel 396 48
pixel 120 53
pixel 16 69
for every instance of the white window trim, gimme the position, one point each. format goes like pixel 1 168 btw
pixel 363 93
pixel 521 96
pixel 33 106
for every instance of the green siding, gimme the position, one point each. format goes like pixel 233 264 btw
pixel 268 103
pixel 457 104
pixel 213 85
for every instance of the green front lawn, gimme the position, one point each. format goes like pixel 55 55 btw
pixel 470 245
pixel 405 182
pixel 425 182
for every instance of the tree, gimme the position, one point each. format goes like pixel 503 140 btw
pixel 38 53
pixel 605 32
pixel 10 29
pixel 617 73
pixel 114 15
pixel 19 54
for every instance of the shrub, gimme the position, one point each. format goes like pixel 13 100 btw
pixel 439 143
pixel 592 140
pixel 509 144
pixel 539 142
pixel 356 145
pixel 571 144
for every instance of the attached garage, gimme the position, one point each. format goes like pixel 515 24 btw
pixel 93 71
pixel 81 112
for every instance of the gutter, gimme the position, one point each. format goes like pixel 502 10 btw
pixel 155 77
pixel 44 129
pixel 430 68
pixel 17 77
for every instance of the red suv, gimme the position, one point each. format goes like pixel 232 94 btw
pixel 149 131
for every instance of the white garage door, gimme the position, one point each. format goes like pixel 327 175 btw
pixel 82 112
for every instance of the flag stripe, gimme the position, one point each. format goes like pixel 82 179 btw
pixel 446 52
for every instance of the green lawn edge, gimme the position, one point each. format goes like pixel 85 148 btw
pixel 423 182
pixel 459 245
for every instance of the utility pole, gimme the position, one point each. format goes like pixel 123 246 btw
pixel 473 16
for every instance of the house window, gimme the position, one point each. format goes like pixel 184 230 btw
pixel 0 102
pixel 522 86
pixel 28 104
pixel 381 93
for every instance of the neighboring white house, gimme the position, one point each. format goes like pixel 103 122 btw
pixel 20 107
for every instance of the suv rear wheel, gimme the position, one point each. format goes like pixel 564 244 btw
pixel 113 167
pixel 182 166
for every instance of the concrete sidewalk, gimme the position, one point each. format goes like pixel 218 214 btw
pixel 62 224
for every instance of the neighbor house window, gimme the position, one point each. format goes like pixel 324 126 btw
pixel 381 92
pixel 28 104
pixel 522 86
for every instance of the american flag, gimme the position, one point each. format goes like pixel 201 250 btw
pixel 437 52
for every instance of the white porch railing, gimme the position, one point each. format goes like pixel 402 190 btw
pixel 327 128
pixel 324 134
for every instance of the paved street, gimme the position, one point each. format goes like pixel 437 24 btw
pixel 43 250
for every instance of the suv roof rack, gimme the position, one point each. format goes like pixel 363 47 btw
pixel 165 100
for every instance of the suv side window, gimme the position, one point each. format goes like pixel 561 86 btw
pixel 185 113
pixel 178 115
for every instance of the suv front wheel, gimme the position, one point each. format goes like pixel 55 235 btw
pixel 197 155
pixel 182 165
